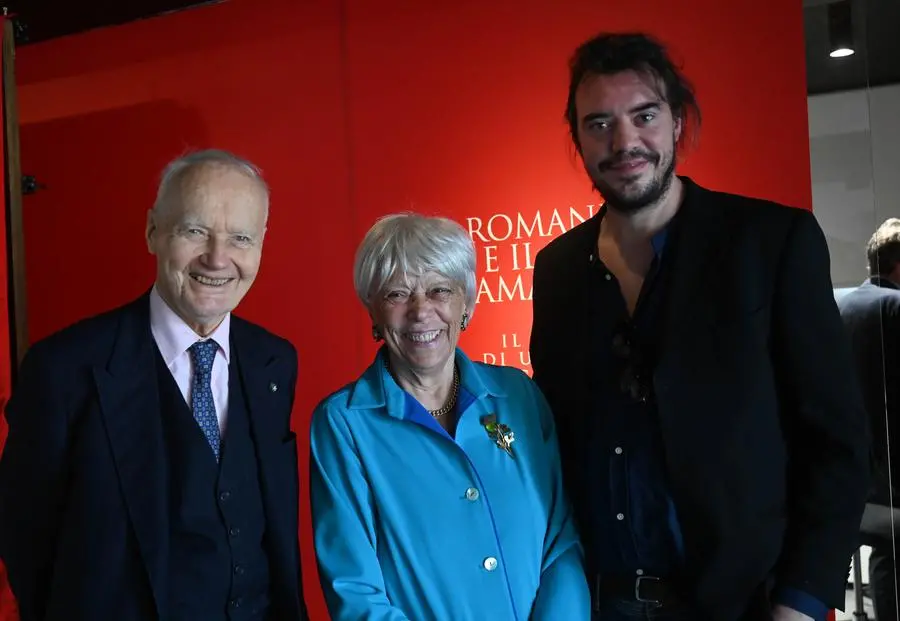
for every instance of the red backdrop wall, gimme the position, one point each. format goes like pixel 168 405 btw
pixel 355 110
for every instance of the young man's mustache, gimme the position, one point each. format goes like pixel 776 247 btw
pixel 630 156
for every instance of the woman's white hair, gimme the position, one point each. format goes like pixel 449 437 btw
pixel 410 244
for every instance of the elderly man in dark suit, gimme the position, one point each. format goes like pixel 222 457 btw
pixel 712 433
pixel 871 314
pixel 150 472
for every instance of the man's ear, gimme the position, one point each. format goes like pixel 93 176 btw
pixel 151 230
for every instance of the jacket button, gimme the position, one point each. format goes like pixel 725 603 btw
pixel 273 387
pixel 234 531
pixel 223 496
pixel 490 563
pixel 472 494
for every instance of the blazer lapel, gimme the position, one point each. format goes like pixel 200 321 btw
pixel 265 378
pixel 129 403
pixel 700 237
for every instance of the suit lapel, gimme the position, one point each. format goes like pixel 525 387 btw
pixel 266 381
pixel 129 403
pixel 701 236
pixel 264 375
pixel 579 265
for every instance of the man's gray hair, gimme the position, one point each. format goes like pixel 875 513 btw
pixel 175 171
pixel 410 244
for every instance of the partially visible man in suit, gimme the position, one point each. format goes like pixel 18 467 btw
pixel 713 436
pixel 871 314
pixel 150 472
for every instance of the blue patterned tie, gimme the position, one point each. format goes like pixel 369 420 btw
pixel 202 355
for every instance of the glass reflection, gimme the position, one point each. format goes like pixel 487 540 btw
pixel 854 96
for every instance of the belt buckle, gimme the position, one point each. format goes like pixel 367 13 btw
pixel 637 590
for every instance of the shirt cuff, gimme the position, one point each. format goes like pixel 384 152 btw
pixel 801 602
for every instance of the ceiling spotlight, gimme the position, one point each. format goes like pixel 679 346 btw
pixel 840 29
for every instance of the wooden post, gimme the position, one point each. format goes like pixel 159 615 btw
pixel 18 316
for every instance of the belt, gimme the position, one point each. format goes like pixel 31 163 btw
pixel 646 589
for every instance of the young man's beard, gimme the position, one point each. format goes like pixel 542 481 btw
pixel 631 203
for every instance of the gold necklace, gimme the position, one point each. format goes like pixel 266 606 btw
pixel 454 390
pixel 451 401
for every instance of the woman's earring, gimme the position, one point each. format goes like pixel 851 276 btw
pixel 376 333
pixel 464 323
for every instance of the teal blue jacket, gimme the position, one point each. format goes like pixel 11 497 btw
pixel 413 524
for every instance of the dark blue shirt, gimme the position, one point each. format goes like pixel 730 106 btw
pixel 631 513
pixel 634 522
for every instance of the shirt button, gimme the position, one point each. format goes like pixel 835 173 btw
pixel 618 450
pixel 640 572
pixel 608 277
pixel 620 516
pixel 224 496
pixel 490 563
pixel 472 494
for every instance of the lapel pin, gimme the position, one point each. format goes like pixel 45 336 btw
pixel 500 433
pixel 273 387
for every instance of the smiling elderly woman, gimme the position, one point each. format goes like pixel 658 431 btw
pixel 435 480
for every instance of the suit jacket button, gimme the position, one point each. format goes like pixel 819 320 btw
pixel 273 387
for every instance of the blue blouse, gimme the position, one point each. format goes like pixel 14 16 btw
pixel 413 524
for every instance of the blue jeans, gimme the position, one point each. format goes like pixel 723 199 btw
pixel 625 610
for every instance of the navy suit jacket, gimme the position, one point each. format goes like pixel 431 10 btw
pixel 871 314
pixel 84 521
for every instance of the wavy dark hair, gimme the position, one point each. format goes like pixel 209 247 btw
pixel 610 53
